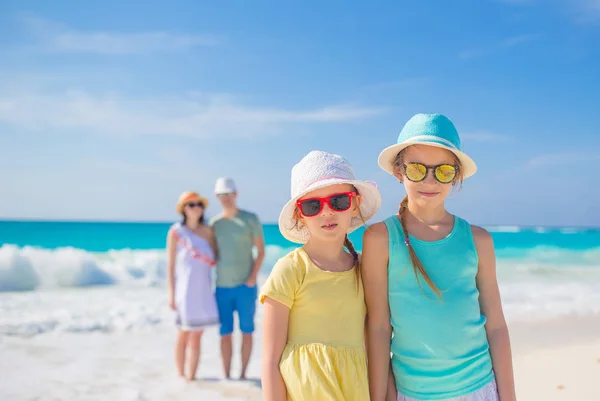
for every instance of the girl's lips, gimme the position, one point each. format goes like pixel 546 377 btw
pixel 329 227
pixel 428 194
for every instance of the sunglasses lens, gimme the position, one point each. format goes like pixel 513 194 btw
pixel 310 207
pixel 445 173
pixel 415 171
pixel 340 202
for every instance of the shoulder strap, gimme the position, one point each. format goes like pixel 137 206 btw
pixel 176 228
pixel 395 240
pixel 465 231
pixel 395 231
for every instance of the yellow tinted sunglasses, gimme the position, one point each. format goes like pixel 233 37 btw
pixel 443 173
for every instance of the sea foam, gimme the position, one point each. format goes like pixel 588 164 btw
pixel 72 290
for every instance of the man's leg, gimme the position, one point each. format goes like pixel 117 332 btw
pixel 246 307
pixel 226 304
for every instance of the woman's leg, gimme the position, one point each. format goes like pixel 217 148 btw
pixel 194 345
pixel 180 347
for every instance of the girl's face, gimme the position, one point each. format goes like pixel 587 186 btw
pixel 193 210
pixel 327 212
pixel 422 160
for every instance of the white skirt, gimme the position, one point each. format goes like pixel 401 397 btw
pixel 489 392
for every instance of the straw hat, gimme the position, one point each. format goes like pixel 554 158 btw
pixel 320 169
pixel 428 129
pixel 189 196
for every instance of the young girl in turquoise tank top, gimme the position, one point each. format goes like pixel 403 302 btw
pixel 430 282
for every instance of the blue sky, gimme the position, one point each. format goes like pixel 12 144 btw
pixel 108 111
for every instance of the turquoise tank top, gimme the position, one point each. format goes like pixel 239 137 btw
pixel 439 347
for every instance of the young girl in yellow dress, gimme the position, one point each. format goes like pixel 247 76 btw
pixel 314 309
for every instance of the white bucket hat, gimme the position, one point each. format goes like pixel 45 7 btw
pixel 225 185
pixel 320 169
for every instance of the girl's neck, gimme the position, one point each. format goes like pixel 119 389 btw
pixel 193 225
pixel 325 252
pixel 428 216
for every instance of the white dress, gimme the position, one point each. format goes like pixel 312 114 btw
pixel 489 392
pixel 196 307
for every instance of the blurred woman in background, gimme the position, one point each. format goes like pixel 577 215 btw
pixel 191 254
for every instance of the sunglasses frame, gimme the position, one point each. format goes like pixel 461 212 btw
pixel 326 199
pixel 195 204
pixel 433 168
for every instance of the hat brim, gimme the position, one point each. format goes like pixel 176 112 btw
pixel 202 199
pixel 370 202
pixel 387 156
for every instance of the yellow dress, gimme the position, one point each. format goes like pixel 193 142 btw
pixel 325 358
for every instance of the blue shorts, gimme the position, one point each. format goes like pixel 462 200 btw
pixel 241 299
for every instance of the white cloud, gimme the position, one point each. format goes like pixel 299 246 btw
pixel 557 159
pixel 55 37
pixel 196 115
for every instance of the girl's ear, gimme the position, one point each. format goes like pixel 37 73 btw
pixel 398 175
pixel 356 205
pixel 299 218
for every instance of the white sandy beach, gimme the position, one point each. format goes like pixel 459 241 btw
pixel 557 359
pixel 554 360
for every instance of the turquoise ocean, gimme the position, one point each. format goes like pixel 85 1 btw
pixel 105 276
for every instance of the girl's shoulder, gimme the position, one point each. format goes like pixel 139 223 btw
pixel 285 279
pixel 376 235
pixel 208 230
pixel 294 265
pixel 479 233
pixel 175 228
pixel 291 261
pixel 481 236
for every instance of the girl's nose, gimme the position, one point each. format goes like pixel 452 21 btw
pixel 327 211
pixel 429 178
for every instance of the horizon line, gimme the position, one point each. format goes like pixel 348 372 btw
pixel 110 221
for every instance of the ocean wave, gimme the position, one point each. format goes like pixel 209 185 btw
pixel 83 310
pixel 71 290
pixel 31 268
pixel 504 229
pixel 549 257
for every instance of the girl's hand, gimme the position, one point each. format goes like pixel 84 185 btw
pixel 172 301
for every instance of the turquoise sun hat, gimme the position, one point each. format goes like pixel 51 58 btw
pixel 432 130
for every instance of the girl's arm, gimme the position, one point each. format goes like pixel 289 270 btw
pixel 491 307
pixel 379 330
pixel 171 242
pixel 392 392
pixel 274 338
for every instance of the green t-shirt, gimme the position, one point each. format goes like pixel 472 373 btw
pixel 235 242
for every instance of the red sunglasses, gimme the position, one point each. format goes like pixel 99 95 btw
pixel 338 202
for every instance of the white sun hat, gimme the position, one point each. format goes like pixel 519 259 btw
pixel 320 169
